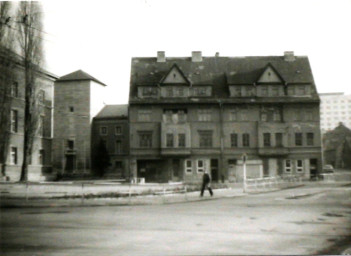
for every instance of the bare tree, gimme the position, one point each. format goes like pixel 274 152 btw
pixel 30 43
pixel 7 64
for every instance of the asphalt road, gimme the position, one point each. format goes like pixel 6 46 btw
pixel 309 220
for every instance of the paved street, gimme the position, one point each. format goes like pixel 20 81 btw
pixel 305 220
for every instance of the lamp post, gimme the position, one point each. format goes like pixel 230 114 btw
pixel 244 158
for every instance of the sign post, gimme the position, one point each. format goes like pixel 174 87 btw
pixel 244 158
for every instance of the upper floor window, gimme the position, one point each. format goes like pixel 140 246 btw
pixel 169 140
pixel 246 140
pixel 298 139
pixel 310 139
pixel 70 144
pixel 181 116
pixel 149 91
pixel 14 120
pixel 275 91
pixel 14 89
pixel 279 139
pixel 266 139
pixel 244 115
pixel 103 130
pixel 233 115
pixel 234 140
pixel 180 92
pixel 145 139
pixel 181 140
pixel 237 91
pixel 204 114
pixel 41 96
pixel 309 115
pixel 276 115
pixel 205 139
pixel 301 90
pixel 118 146
pixel 118 130
pixel 264 91
pixel 169 92
pixel 200 91
pixel 144 115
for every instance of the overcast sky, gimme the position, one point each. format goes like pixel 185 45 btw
pixel 101 37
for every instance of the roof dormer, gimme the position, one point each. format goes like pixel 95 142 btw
pixel 174 77
pixel 270 75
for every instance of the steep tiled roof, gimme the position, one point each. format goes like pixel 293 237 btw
pixel 79 75
pixel 113 111
pixel 220 71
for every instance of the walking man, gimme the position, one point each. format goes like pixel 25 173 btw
pixel 206 183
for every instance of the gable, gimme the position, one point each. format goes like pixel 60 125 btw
pixel 174 76
pixel 269 75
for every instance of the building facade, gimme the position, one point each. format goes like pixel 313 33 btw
pixel 78 98
pixel 40 167
pixel 189 115
pixel 335 108
pixel 110 127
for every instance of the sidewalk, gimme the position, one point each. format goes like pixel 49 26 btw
pixel 170 198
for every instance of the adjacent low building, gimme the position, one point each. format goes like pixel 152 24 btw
pixel 110 127
pixel 195 114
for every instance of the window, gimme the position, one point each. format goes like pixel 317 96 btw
pixel 309 115
pixel 279 139
pixel 145 139
pixel 41 96
pixel 181 140
pixel 188 166
pixel 180 92
pixel 41 126
pixel 41 156
pixel 246 140
pixel 275 91
pixel 233 115
pixel 276 115
pixel 234 140
pixel 298 139
pixel 118 130
pixel 13 156
pixel 266 139
pixel 181 116
pixel 299 166
pixel 199 91
pixel 244 115
pixel 200 166
pixel 14 120
pixel 238 91
pixel 118 146
pixel 287 166
pixel 264 91
pixel 149 91
pixel 310 139
pixel 205 139
pixel 204 115
pixel 169 92
pixel 169 140
pixel 264 116
pixel 118 165
pixel 103 130
pixel 71 109
pixel 301 90
pixel 144 115
pixel 14 89
pixel 70 144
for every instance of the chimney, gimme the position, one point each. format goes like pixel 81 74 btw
pixel 161 56
pixel 289 56
pixel 196 56
pixel 217 54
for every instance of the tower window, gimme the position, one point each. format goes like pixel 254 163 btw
pixel 71 109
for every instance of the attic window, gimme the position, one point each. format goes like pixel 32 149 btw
pixel 174 75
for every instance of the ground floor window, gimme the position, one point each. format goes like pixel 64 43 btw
pixel 299 166
pixel 13 155
pixel 200 166
pixel 288 165
pixel 188 166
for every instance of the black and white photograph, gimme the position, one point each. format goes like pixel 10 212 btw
pixel 175 127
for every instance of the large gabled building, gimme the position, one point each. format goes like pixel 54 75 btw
pixel 192 114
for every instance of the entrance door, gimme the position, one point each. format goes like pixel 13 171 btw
pixel 175 168
pixel 313 168
pixel 214 170
pixel 69 163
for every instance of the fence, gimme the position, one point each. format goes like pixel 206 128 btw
pixel 271 183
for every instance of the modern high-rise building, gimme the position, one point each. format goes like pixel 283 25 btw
pixel 335 108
